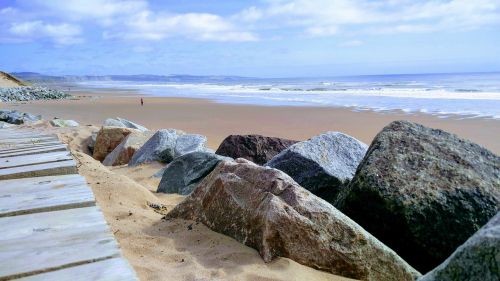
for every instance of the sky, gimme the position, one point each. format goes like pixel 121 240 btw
pixel 258 38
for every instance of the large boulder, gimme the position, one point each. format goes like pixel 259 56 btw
pixel 4 114
pixel 123 123
pixel 122 154
pixel 477 259
pixel 18 118
pixel 189 143
pixel 160 147
pixel 266 210
pixel 91 141
pixel 64 123
pixel 184 173
pixel 108 138
pixel 112 122
pixel 423 191
pixel 13 117
pixel 256 148
pixel 5 125
pixel 323 164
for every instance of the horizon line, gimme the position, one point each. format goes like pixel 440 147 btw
pixel 253 77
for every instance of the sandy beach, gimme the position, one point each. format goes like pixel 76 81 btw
pixel 216 121
pixel 186 250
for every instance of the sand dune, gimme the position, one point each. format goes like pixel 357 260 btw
pixel 7 80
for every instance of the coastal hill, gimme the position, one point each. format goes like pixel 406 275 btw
pixel 7 80
pixel 44 78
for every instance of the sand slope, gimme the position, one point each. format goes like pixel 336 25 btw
pixel 175 249
pixel 7 80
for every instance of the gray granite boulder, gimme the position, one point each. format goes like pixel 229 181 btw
pixel 265 209
pixel 64 123
pixel 112 122
pixel 477 259
pixel 18 118
pixel 91 141
pixel 160 147
pixel 123 123
pixel 14 117
pixel 184 173
pixel 4 114
pixel 256 148
pixel 5 125
pixel 423 191
pixel 322 164
pixel 189 143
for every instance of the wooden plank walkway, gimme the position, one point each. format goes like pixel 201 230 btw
pixel 33 150
pixel 50 227
pixel 43 194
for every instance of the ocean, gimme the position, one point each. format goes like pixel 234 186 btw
pixel 469 95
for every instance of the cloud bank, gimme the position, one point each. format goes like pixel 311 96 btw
pixel 66 22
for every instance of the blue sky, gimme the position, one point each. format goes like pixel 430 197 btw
pixel 266 38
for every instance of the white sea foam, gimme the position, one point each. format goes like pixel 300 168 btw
pixel 468 96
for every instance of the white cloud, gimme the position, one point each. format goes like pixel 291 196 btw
pixel 330 17
pixel 64 21
pixel 322 30
pixel 7 11
pixel 249 14
pixel 104 11
pixel 197 26
pixel 134 19
pixel 351 43
pixel 62 34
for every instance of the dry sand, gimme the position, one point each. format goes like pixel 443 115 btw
pixel 169 250
pixel 216 121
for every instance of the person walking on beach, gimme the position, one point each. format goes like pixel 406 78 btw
pixel 142 102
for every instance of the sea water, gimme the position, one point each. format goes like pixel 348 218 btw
pixel 469 95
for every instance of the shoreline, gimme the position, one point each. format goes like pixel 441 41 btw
pixel 219 120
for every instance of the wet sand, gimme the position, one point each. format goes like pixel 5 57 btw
pixel 217 121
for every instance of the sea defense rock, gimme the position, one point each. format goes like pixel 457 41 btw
pixel 5 125
pixel 477 259
pixel 265 209
pixel 4 114
pixel 18 118
pixel 189 143
pixel 123 123
pixel 160 147
pixel 111 122
pixel 108 138
pixel 423 191
pixel 122 154
pixel 184 173
pixel 30 93
pixel 64 123
pixel 91 141
pixel 256 148
pixel 323 164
